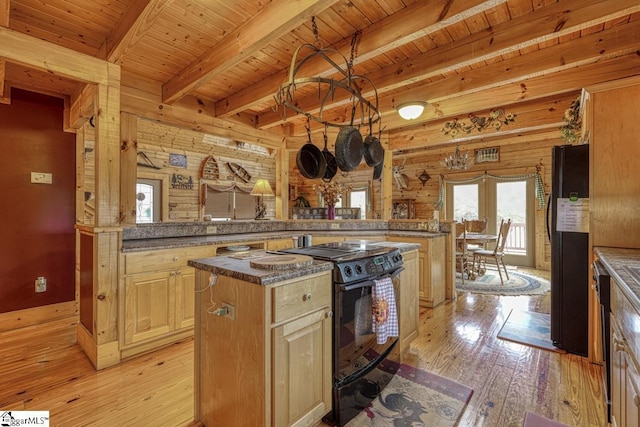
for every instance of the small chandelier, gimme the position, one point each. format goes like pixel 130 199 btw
pixel 457 161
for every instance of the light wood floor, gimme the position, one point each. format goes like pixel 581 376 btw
pixel 41 368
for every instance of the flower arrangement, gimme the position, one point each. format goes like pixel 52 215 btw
pixel 495 120
pixel 331 192
pixel 570 131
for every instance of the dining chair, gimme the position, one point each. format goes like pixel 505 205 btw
pixel 497 253
pixel 462 256
pixel 475 226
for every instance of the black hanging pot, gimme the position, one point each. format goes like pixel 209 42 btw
pixel 377 170
pixel 332 165
pixel 310 161
pixel 373 152
pixel 349 148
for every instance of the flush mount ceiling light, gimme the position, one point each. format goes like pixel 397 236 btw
pixel 411 110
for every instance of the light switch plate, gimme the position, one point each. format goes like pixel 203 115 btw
pixel 41 178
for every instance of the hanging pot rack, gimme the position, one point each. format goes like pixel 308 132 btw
pixel 285 97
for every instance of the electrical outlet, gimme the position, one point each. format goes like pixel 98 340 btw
pixel 41 285
pixel 231 311
pixel 212 229
pixel 335 226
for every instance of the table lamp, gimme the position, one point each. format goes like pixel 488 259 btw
pixel 261 189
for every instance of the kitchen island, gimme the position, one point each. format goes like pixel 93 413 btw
pixel 263 338
pixel 156 305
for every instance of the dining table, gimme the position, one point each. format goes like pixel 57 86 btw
pixel 480 239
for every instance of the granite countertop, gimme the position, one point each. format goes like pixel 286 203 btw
pixel 138 245
pixel 617 261
pixel 239 265
pixel 241 269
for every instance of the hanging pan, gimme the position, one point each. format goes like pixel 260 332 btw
pixel 332 165
pixel 373 152
pixel 377 170
pixel 349 146
pixel 310 159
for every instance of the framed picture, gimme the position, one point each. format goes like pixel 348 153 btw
pixel 178 160
pixel 293 192
pixel 486 155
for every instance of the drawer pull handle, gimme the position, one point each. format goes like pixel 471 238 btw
pixel 173 273
pixel 306 297
pixel 175 258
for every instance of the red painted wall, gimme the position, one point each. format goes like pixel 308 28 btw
pixel 37 235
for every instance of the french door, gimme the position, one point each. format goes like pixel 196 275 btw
pixel 496 200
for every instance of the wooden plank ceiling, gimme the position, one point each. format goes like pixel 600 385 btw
pixel 529 57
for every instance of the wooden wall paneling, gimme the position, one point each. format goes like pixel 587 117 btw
pixel 159 140
pixel 141 97
pixel 128 167
pixel 519 155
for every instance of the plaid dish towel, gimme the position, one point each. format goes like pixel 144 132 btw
pixel 383 310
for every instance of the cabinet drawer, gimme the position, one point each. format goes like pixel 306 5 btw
pixel 166 259
pixel 302 296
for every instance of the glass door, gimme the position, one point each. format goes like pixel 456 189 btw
pixel 496 200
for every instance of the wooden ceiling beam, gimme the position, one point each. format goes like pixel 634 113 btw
pixel 138 18
pixel 527 30
pixel 276 20
pixel 541 86
pixel 489 94
pixel 532 116
pixel 403 27
pixel 60 61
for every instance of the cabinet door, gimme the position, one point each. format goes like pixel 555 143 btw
pixel 438 269
pixel 185 280
pixel 149 306
pixel 632 391
pixel 617 375
pixel 302 370
pixel 409 300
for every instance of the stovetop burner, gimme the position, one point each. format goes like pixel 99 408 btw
pixel 340 251
pixel 354 261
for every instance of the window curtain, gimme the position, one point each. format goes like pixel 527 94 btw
pixel 539 185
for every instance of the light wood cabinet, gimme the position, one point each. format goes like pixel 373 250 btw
pixel 611 116
pixel 275 353
pixel 157 304
pixel 432 267
pixel 408 300
pixel 625 375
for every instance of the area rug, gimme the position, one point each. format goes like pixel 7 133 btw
pixel 518 284
pixel 528 328
pixel 415 397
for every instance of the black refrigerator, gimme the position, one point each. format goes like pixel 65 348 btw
pixel 566 211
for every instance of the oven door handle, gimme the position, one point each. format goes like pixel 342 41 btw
pixel 369 283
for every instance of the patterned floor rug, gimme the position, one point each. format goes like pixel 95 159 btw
pixel 415 397
pixel 529 328
pixel 518 284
